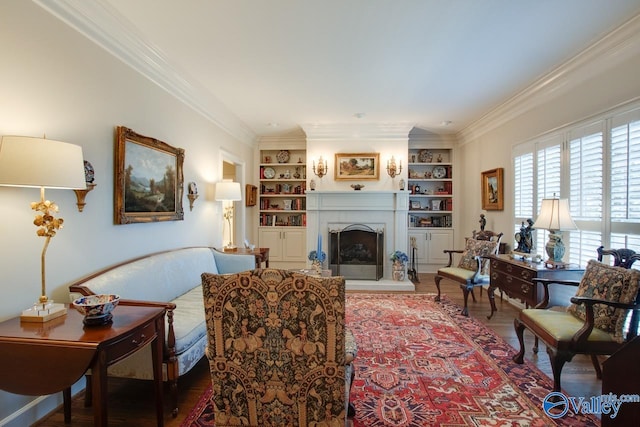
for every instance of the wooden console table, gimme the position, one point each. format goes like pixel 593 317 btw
pixel 261 254
pixel 514 278
pixel 45 358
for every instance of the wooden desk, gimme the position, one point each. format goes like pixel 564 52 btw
pixel 45 358
pixel 261 254
pixel 514 278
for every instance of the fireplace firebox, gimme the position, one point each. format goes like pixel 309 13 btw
pixel 356 252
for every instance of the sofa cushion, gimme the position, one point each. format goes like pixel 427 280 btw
pixel 602 281
pixel 188 319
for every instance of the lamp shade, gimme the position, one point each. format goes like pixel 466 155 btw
pixel 555 216
pixel 228 191
pixel 37 162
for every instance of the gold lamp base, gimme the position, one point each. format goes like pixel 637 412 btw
pixel 43 312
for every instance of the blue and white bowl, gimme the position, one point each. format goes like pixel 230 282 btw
pixel 96 306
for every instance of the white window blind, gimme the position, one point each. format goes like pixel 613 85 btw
pixel 625 172
pixel 549 160
pixel 523 197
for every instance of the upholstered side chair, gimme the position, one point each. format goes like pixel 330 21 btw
pixel 473 267
pixel 602 316
pixel 277 348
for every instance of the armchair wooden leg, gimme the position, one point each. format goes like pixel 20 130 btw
pixel 437 279
pixel 465 292
pixel 519 327
pixel 558 359
pixel 473 296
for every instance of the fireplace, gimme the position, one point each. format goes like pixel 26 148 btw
pixel 356 252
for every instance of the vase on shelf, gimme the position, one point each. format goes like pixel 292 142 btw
pixel 398 271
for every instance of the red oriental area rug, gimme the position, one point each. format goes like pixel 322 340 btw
pixel 420 363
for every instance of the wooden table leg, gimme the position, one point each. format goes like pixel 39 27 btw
pixel 156 354
pixel 99 388
pixel 66 402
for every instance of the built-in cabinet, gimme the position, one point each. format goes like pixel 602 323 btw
pixel 286 244
pixel 431 207
pixel 282 204
pixel 430 245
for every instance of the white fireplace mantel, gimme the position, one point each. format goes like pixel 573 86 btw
pixel 327 209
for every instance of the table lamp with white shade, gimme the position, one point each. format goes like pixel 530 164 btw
pixel 555 217
pixel 228 192
pixel 42 163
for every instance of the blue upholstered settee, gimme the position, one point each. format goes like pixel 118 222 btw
pixel 170 278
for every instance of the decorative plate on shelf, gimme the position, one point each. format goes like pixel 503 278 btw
pixel 439 172
pixel 425 156
pixel 283 156
pixel 269 173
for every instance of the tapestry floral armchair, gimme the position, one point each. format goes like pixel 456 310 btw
pixel 279 352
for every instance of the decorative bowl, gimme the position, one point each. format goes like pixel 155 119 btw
pixel 97 308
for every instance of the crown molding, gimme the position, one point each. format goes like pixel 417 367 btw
pixel 614 48
pixel 100 22
pixel 360 131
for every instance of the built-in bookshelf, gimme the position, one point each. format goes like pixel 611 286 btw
pixel 431 185
pixel 282 201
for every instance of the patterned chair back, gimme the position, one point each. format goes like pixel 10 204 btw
pixel 276 348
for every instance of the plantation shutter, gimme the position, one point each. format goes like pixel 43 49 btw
pixel 549 161
pixel 625 181
pixel 586 194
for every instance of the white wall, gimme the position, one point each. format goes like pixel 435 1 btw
pixel 56 82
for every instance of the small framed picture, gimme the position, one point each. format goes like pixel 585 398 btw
pixel 435 205
pixel 415 204
pixel 492 190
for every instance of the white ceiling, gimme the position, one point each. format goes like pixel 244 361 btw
pixel 424 62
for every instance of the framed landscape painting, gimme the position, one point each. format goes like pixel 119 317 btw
pixel 357 166
pixel 148 179
pixel 492 190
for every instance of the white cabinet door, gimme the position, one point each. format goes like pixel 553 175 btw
pixel 271 237
pixel 294 245
pixel 439 240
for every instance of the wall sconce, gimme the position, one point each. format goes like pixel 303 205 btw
pixel 42 163
pixel 192 194
pixel 321 169
pixel 89 177
pixel 392 169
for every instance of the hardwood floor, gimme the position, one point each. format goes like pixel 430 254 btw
pixel 131 401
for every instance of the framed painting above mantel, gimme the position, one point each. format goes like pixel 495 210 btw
pixel 148 179
pixel 493 190
pixel 357 166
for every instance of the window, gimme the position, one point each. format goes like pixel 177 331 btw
pixel 597 167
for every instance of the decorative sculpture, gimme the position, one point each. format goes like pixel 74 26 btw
pixel 524 237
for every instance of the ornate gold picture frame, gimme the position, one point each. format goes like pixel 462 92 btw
pixel 493 190
pixel 148 179
pixel 357 166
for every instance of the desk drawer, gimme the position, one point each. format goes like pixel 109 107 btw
pixel 516 271
pixel 132 342
pixel 514 286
